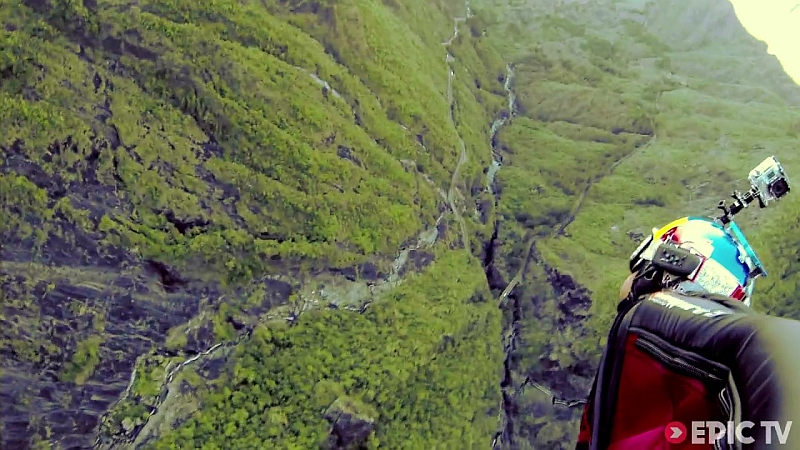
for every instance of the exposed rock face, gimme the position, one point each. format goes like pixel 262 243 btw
pixel 85 357
pixel 351 423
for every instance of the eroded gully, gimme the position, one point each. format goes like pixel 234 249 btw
pixel 339 293
pixel 505 433
pixel 505 418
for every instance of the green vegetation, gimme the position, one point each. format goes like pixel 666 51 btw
pixel 184 172
pixel 161 171
pixel 224 187
pixel 622 128
pixel 409 361
pixel 83 361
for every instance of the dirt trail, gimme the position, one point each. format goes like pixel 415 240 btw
pixel 579 204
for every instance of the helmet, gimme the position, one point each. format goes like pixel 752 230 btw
pixel 729 266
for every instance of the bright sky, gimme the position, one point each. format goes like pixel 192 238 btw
pixel 776 22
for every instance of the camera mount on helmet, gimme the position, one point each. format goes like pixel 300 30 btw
pixel 669 263
pixel 768 182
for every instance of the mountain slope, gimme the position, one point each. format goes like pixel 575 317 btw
pixel 180 177
pixel 631 114
pixel 290 223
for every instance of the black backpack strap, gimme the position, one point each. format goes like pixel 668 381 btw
pixel 648 280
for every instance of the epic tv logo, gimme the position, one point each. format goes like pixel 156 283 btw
pixel 712 431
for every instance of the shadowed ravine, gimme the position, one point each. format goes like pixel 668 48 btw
pixel 504 436
pixel 509 301
pixel 491 172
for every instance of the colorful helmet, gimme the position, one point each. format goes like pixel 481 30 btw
pixel 729 266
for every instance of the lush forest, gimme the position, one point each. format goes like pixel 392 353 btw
pixel 179 177
pixel 238 224
pixel 415 377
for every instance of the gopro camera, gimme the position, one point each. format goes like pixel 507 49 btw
pixel 769 181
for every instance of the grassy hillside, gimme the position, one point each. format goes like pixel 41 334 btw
pixel 631 114
pixel 178 178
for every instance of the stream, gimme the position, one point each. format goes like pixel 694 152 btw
pixel 510 335
pixel 509 339
pixel 497 159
